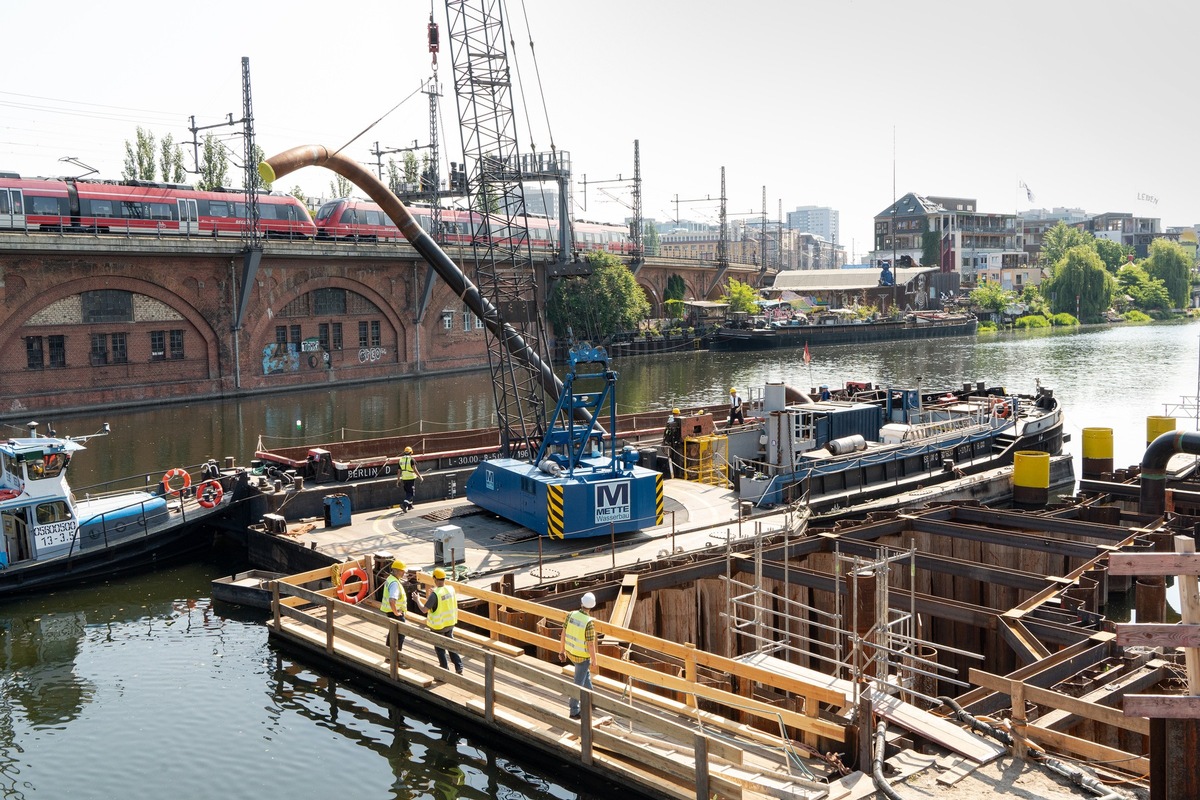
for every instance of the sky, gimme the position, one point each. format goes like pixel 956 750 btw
pixel 841 103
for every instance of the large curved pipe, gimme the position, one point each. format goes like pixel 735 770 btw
pixel 316 155
pixel 1153 495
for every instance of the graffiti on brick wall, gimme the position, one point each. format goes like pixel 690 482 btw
pixel 369 355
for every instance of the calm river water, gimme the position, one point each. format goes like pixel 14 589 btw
pixel 144 689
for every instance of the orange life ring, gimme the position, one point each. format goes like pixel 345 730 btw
pixel 1002 411
pixel 177 472
pixel 9 494
pixel 353 572
pixel 209 494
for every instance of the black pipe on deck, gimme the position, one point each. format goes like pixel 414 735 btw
pixel 1153 498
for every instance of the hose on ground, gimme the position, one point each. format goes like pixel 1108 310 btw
pixel 1074 774
pixel 877 763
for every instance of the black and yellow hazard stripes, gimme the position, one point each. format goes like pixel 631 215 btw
pixel 554 511
pixel 658 500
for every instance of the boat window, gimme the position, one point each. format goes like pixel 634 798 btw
pixel 56 511
pixel 49 465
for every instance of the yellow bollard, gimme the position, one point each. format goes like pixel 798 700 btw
pixel 1097 451
pixel 1157 426
pixel 1031 478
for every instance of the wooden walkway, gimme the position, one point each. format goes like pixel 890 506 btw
pixel 662 734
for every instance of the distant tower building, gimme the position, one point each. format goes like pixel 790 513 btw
pixel 821 220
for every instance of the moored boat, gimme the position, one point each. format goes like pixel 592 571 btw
pixel 762 334
pixel 250 588
pixel 51 538
pixel 865 442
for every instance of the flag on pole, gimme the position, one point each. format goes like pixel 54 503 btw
pixel 807 357
pixel 1028 191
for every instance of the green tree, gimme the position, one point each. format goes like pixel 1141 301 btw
pixel 1113 254
pixel 607 302
pixel 412 168
pixel 393 176
pixel 1080 284
pixel 1032 298
pixel 1146 293
pixel 1058 240
pixel 139 157
pixel 1169 263
pixel 170 159
pixel 214 164
pixel 650 242
pixel 676 288
pixel 299 194
pixel 991 296
pixel 341 186
pixel 741 297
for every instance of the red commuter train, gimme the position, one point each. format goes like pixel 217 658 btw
pixel 79 206
pixel 362 220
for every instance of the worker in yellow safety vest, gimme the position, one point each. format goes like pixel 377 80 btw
pixel 408 474
pixel 441 615
pixel 578 644
pixel 393 603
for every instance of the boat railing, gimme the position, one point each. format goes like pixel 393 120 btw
pixel 116 520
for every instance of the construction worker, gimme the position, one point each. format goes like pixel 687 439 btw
pixel 673 440
pixel 578 644
pixel 441 615
pixel 408 475
pixel 393 603
pixel 735 407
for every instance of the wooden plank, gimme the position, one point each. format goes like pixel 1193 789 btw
pixel 956 773
pixel 1154 564
pixel 945 733
pixel 622 610
pixel 1114 758
pixel 1149 634
pixel 1048 697
pixel 1189 600
pixel 1163 706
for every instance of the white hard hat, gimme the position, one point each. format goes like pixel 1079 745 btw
pixel 588 600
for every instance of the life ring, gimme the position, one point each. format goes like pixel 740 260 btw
pixel 177 472
pixel 209 494
pixel 9 494
pixel 312 361
pixel 1003 410
pixel 353 572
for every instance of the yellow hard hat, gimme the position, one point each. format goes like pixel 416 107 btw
pixel 439 574
pixel 674 410
pixel 733 391
pixel 407 450
pixel 398 564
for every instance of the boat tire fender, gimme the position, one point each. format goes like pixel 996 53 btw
pixel 209 494
pixel 171 474
pixel 361 593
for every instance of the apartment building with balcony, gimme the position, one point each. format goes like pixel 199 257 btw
pixel 966 236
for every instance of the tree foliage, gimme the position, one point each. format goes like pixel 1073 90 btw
pixel 1058 240
pixel 412 168
pixel 1080 283
pixel 650 242
pixel 170 160
pixel 341 186
pixel 1113 254
pixel 393 176
pixel 991 296
pixel 607 302
pixel 1146 293
pixel 676 288
pixel 1169 263
pixel 139 157
pixel 741 297
pixel 214 164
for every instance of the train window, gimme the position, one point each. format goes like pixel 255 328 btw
pixel 4 207
pixel 131 209
pixel 326 211
pixel 161 211
pixel 218 208
pixel 267 211
pixel 373 218
pixel 101 208
pixel 349 217
pixel 43 205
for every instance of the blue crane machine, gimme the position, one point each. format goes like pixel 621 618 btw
pixel 574 489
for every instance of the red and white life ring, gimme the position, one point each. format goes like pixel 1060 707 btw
pixel 177 472
pixel 209 494
pixel 363 588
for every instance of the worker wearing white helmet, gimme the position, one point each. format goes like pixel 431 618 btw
pixel 392 603
pixel 441 615
pixel 578 644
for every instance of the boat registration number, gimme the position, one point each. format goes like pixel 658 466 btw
pixel 55 533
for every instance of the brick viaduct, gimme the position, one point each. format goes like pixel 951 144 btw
pixel 100 321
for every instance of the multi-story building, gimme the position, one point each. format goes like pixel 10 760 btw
pixel 1036 221
pixel 1124 228
pixel 819 220
pixel 966 236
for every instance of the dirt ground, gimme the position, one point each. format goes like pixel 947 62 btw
pixel 1005 778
